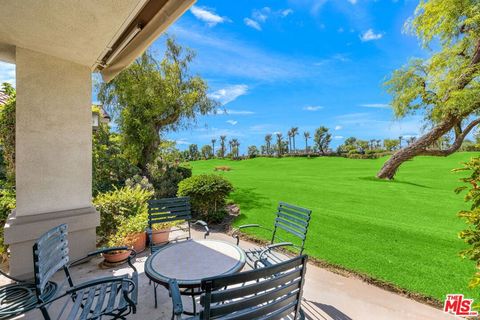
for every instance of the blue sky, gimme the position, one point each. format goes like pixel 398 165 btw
pixel 305 63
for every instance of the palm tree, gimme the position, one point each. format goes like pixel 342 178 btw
pixel 234 144
pixel 237 148
pixel 306 134
pixel 294 131
pixel 268 140
pixel 279 143
pixel 230 144
pixel 222 145
pixel 289 134
pixel 213 146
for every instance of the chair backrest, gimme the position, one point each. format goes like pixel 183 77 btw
pixel 268 293
pixel 293 220
pixel 168 210
pixel 50 254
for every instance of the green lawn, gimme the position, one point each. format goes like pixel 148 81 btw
pixel 403 232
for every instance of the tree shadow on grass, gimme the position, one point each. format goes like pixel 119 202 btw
pixel 375 179
pixel 248 199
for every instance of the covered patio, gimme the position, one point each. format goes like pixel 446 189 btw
pixel 327 295
pixel 56 46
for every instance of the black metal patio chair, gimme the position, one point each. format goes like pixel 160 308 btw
pixel 111 297
pixel 292 222
pixel 269 293
pixel 171 210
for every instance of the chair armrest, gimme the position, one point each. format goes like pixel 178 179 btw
pixel 236 231
pixel 273 246
pixel 132 255
pixel 100 281
pixel 176 298
pixel 205 226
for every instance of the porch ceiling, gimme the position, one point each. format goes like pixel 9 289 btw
pixel 78 31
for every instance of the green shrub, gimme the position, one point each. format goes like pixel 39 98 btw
pixel 110 166
pixel 117 205
pixel 208 193
pixel 7 204
pixel 165 175
pixel 471 215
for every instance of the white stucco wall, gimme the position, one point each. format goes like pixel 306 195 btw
pixel 53 134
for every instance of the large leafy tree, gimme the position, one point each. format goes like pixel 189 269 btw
pixel 154 96
pixel 444 88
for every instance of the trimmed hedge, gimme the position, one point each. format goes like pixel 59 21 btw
pixel 208 194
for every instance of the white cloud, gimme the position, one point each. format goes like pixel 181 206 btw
pixel 338 137
pixel 286 12
pixel 370 35
pixel 375 105
pixel 242 59
pixel 261 15
pixel 338 128
pixel 216 132
pixel 232 122
pixel 312 108
pixel 352 1
pixel 207 16
pixel 252 23
pixel 236 112
pixel 229 94
pixel 7 73
pixel 182 142
pixel 364 124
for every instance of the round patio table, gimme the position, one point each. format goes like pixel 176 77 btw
pixel 190 261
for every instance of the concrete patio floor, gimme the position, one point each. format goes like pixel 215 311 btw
pixel 327 296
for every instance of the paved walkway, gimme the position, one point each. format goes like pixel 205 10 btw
pixel 328 296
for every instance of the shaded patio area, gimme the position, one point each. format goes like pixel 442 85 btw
pixel 327 296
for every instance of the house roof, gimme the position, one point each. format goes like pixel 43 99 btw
pixel 3 98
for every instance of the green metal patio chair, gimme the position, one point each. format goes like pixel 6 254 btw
pixel 171 210
pixel 114 297
pixel 291 221
pixel 269 293
pixel 19 297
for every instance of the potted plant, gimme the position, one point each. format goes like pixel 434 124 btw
pixel 130 233
pixel 118 240
pixel 161 232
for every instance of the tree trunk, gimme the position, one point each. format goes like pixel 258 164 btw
pixel 419 147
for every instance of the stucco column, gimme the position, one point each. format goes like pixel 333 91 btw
pixel 53 156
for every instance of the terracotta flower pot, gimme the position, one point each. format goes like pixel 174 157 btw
pixel 116 256
pixel 140 242
pixel 160 236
